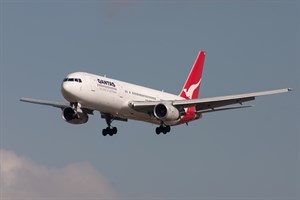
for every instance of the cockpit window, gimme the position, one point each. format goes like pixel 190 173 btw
pixel 72 80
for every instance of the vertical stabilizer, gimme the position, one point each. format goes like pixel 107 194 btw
pixel 191 88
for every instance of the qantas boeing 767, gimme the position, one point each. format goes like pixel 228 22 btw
pixel 117 100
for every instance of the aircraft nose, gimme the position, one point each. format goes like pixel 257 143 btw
pixel 64 87
pixel 67 91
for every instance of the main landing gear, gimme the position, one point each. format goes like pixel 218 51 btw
pixel 162 129
pixel 109 130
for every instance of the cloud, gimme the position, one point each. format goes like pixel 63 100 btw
pixel 21 178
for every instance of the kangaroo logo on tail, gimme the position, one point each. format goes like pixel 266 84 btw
pixel 191 88
pixel 189 93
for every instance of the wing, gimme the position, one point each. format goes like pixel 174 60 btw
pixel 52 103
pixel 44 102
pixel 206 104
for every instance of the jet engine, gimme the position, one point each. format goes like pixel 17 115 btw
pixel 70 116
pixel 166 112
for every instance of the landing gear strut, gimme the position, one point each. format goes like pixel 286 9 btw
pixel 109 130
pixel 162 129
pixel 77 108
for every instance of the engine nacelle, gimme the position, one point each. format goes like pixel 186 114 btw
pixel 71 117
pixel 166 112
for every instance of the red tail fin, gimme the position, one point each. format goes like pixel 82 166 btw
pixel 191 88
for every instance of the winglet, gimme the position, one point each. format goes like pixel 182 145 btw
pixel 191 88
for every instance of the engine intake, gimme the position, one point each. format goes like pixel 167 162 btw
pixel 166 112
pixel 70 116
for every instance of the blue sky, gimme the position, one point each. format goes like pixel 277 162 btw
pixel 241 154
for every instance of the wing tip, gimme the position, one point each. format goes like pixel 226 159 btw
pixel 24 99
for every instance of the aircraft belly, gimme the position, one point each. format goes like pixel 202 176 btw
pixel 140 116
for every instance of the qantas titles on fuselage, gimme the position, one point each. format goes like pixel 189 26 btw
pixel 109 83
pixel 117 100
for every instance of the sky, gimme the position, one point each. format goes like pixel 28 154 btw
pixel 239 154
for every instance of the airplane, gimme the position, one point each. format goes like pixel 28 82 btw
pixel 118 100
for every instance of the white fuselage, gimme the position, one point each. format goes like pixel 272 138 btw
pixel 112 96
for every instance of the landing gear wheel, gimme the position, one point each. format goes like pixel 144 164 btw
pixel 109 130
pixel 157 130
pixel 114 130
pixel 104 132
pixel 162 129
pixel 168 129
pixel 110 133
